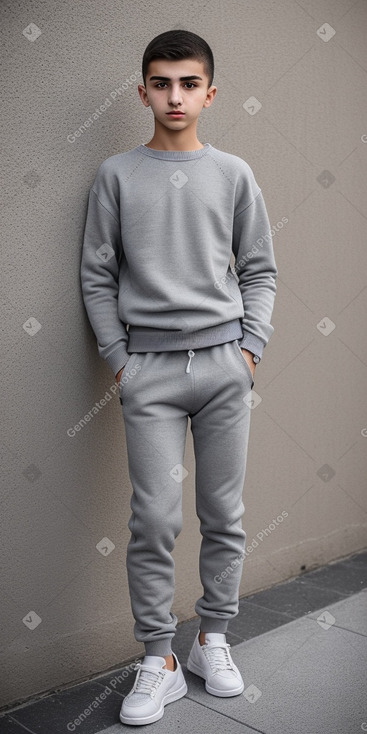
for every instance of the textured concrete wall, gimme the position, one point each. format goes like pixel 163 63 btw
pixel 65 494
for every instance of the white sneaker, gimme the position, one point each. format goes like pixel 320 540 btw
pixel 212 661
pixel 154 687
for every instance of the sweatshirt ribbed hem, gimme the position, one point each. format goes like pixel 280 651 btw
pixel 142 339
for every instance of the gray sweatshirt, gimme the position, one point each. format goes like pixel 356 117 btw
pixel 160 231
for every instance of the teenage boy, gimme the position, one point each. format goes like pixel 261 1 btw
pixel 183 333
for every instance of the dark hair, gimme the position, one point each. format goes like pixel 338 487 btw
pixel 178 44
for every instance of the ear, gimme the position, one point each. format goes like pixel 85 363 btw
pixel 211 93
pixel 143 95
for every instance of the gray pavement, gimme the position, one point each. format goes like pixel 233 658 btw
pixel 306 677
pixel 307 674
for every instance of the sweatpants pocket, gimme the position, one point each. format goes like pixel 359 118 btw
pixel 244 362
pixel 126 376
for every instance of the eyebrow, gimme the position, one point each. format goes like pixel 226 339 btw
pixel 182 78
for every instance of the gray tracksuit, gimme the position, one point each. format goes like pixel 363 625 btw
pixel 166 305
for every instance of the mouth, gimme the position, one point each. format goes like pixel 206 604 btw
pixel 176 113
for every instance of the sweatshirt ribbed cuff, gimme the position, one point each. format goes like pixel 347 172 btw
pixel 252 343
pixel 117 359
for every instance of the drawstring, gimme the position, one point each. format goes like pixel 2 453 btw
pixel 191 355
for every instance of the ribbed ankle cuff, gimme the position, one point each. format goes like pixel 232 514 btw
pixel 159 647
pixel 211 624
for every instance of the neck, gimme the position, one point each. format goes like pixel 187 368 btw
pixel 179 140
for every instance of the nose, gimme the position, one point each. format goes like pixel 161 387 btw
pixel 175 96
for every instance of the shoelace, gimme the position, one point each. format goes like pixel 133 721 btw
pixel 218 657
pixel 147 680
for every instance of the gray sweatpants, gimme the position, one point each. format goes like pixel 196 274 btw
pixel 159 390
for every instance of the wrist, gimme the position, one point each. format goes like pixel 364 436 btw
pixel 255 359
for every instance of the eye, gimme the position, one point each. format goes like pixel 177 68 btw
pixel 159 85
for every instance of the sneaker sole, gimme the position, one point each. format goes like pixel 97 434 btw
pixel 193 668
pixel 168 698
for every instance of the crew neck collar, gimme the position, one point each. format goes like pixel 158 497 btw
pixel 174 155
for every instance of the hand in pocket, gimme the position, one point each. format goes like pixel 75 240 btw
pixel 119 375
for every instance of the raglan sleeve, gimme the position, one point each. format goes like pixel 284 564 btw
pixel 255 265
pixel 99 269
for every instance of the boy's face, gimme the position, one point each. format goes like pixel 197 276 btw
pixel 175 93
